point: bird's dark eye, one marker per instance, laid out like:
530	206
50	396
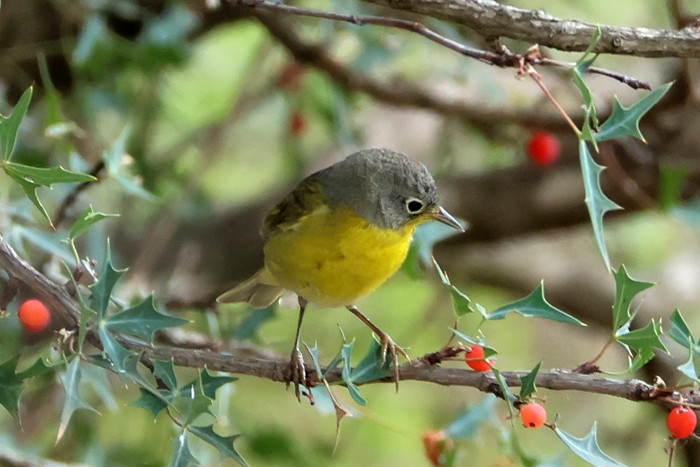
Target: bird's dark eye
414	205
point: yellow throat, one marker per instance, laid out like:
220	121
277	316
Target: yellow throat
331	257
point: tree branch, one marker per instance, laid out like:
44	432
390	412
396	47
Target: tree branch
502	58
60	302
491	20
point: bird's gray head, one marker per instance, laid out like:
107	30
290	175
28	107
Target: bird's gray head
383	186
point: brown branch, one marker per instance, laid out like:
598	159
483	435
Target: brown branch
491	19
503	58
60	302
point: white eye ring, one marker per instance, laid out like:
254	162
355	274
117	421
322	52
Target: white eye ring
414	205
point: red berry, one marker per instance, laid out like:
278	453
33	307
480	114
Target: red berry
435	443
34	315
297	123
681	422
543	148
533	415
290	77
474	355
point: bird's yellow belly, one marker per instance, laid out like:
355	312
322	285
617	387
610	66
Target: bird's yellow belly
331	258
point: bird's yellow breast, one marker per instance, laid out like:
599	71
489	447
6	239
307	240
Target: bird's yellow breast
331	257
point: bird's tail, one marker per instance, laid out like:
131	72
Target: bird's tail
258	291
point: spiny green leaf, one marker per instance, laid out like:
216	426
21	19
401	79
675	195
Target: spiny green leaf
506	391
10	386
584	63
461	303
626	289
155	405
45	176
535	305
643	356
527	382
71	383
86	315
347	379
587	448
142	320
681	333
467	424
39	367
371	368
86	220
119	171
596	201
30	178
102	289
624	121
688	368
9	126
647	337
248	329
165	371
224	444
112	349
182	457
197	402
488	351
421	251
210	383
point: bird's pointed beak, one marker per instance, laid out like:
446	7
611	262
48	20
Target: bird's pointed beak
441	215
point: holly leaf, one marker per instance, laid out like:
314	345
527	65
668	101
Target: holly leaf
112	349
648	337
30	178
9	126
102	289
421	251
461	303
148	401
681	333
10	386
534	305
688	368
527	382
224	444
488	351
466	426
210	383
142	320
581	68
165	371
626	289
642	357
505	390
587	448
596	201
346	374
86	220
371	368
71	383
197	403
39	367
182	457
624	121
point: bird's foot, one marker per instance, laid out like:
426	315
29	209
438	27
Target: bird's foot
297	375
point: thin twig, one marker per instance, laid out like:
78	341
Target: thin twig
505	59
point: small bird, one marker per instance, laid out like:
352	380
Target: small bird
340	234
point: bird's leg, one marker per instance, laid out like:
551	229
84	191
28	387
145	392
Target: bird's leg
386	342
297	372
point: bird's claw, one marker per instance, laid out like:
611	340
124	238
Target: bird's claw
297	372
388	346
